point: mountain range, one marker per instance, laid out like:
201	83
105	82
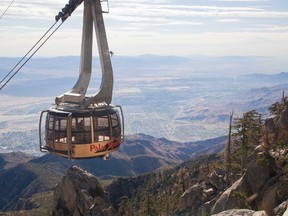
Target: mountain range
139	154
180	98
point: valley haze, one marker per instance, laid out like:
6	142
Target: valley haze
180	98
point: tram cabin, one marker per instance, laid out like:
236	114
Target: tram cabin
83	134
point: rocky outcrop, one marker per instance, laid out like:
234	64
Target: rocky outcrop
273	192
26	204
233	197
241	212
264	185
260	189
277	124
217	179
195	197
246	191
200	198
281	210
282	122
79	194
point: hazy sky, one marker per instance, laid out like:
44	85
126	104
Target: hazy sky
163	27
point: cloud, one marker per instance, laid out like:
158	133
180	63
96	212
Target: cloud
140	10
266	28
241	0
228	20
32	9
157	27
181	11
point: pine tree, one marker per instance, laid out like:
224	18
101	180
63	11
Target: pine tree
228	151
183	178
147	205
125	207
247	133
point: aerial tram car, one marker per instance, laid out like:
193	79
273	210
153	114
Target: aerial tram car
79	126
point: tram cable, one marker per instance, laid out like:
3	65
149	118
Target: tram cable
27	53
5	83
63	15
7	9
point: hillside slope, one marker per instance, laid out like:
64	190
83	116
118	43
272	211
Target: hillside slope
24	180
255	184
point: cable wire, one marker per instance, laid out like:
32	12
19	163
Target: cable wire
28	52
63	15
7	9
30	55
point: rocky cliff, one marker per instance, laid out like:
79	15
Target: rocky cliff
79	194
263	188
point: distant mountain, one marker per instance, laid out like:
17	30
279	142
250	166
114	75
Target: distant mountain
9	160
139	154
261	98
268	77
215	111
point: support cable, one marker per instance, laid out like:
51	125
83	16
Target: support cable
28	53
29	56
7	9
63	15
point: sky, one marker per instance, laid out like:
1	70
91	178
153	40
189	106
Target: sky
160	27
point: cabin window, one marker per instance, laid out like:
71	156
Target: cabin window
116	127
81	130
115	120
56	129
60	131
101	129
49	126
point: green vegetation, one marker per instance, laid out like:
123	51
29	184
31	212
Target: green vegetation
43	200
247	132
158	193
242	198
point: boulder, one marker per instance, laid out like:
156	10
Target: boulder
281	209
234	197
197	200
283	120
241	212
217	179
259	171
26	204
271	196
247	189
272	130
201	197
79	194
192	198
277	124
